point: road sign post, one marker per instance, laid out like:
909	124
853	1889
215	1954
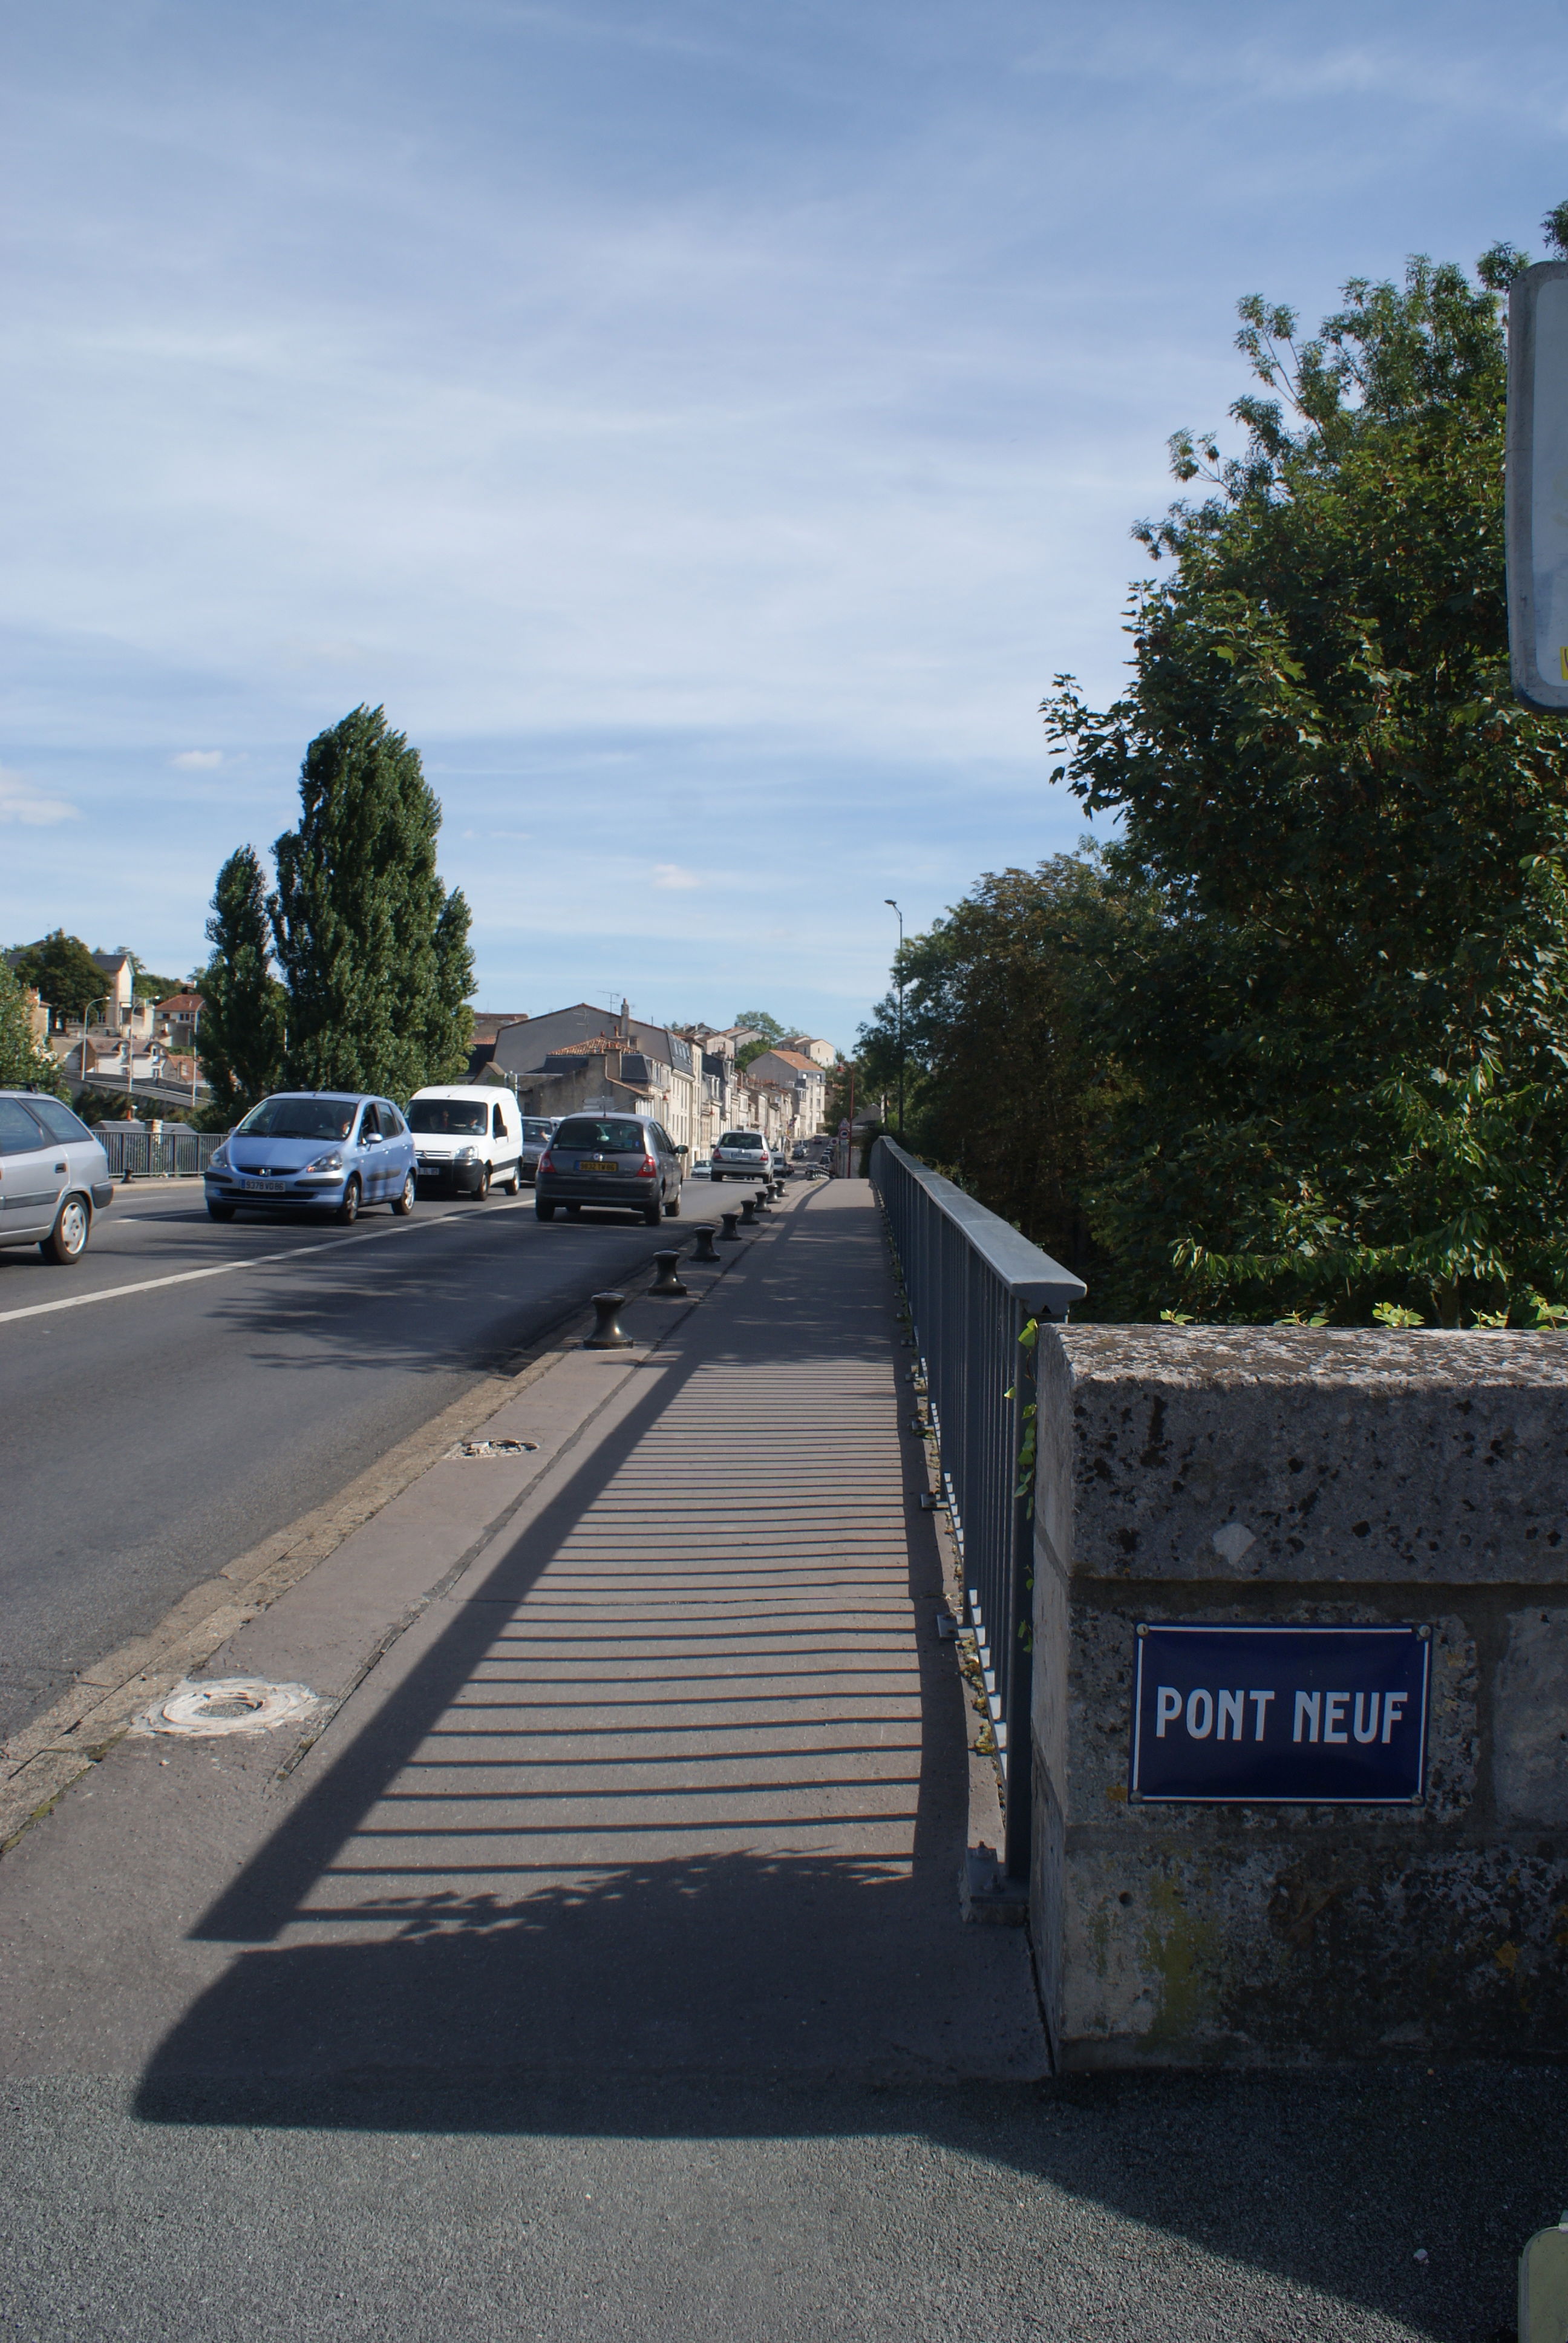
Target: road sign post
1538	485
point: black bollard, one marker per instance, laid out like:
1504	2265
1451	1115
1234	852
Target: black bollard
732	1234
607	1335
748	1213
666	1281
763	1200
704	1251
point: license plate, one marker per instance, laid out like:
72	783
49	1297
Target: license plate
594	1163
267	1187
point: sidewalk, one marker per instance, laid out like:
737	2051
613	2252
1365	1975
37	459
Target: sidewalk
669	1775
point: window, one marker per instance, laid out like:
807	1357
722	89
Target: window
298	1118
391	1120
536	1127
371	1126
58	1119
497	1123
454	1117
610	1134
19	1134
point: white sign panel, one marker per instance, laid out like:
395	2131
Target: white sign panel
1538	485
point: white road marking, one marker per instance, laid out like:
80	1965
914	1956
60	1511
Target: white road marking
252	1260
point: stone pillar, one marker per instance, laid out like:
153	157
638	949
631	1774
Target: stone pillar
1269	1475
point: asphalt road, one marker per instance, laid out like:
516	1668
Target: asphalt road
222	1381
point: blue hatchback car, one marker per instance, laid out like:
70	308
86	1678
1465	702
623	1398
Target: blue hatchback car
336	1150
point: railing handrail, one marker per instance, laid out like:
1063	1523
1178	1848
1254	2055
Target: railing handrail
1045	1289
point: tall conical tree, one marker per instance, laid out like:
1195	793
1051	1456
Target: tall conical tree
239	1041
374	950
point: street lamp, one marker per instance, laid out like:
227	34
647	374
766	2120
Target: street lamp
893	907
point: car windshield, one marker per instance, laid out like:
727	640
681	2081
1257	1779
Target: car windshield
447	1115
611	1136
534	1130
299	1117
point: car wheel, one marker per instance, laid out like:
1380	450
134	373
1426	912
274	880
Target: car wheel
574	1211
483	1190
542	1210
652	1214
219	1211
715	1177
348	1210
672	1207
67	1240
403	1203
513	1181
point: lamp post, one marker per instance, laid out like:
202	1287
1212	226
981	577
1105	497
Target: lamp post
894	909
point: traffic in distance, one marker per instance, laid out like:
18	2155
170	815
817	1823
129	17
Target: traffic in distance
339	1151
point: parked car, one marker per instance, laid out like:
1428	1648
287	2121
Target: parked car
623	1162
53	1176
741	1155
466	1136
539	1129
332	1150
780	1164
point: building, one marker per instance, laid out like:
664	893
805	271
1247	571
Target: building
802	1086
821	1053
549	1060
178	1019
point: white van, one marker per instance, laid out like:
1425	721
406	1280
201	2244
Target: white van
467	1137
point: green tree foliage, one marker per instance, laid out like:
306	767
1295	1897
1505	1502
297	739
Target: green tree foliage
1337	1007
239	1041
1002	1090
63	972
373	949
770	1029
23	1062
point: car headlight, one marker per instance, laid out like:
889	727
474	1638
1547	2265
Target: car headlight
219	1160
467	1155
326	1163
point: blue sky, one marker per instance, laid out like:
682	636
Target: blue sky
706	427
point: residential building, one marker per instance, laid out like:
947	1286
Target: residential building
548	1059
178	1019
801	1083
821	1053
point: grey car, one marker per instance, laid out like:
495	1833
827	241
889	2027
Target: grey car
741	1155
539	1129
53	1176
617	1162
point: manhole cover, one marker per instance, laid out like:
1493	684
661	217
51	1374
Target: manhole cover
497	1447
201	1711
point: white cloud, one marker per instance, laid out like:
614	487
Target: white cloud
671	874
196	760
21	801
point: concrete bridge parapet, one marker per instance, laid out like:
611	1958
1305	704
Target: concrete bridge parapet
1270	1477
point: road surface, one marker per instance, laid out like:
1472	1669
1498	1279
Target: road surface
221	1381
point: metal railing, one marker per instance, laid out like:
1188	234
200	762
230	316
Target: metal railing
146	1158
972	1284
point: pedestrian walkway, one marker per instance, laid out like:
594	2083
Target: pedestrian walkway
675	1779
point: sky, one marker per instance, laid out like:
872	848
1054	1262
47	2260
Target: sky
706	427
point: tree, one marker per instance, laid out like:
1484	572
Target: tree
239	1041
1338	1009
62	971
374	951
1001	1092
769	1028
24	1063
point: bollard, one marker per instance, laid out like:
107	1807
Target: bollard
732	1234
748	1213
666	1281
704	1251
607	1335
763	1200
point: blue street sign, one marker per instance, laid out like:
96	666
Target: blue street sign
1266	1715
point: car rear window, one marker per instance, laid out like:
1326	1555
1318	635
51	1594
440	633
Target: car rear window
58	1119
615	1137
743	1139
452	1115
299	1117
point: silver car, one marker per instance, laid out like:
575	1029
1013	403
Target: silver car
538	1131
53	1176
741	1155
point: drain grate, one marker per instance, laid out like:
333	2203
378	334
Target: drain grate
495	1448
202	1712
